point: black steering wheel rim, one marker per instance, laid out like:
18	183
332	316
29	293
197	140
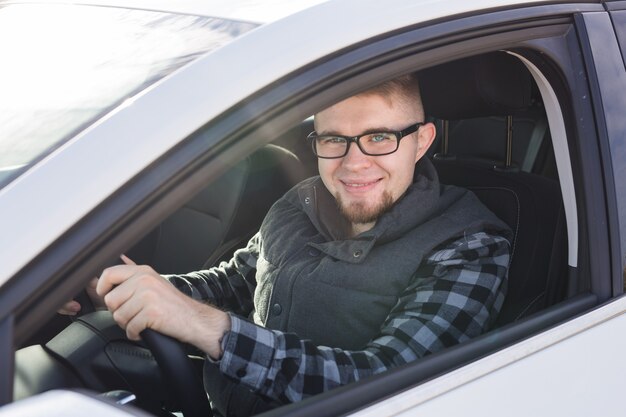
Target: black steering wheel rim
178	369
93	352
179	372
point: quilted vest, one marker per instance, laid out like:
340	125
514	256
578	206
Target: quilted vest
337	291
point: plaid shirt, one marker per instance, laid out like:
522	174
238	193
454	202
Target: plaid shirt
454	296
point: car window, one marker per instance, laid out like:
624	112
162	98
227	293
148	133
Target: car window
48	51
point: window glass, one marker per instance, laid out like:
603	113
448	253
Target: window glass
64	66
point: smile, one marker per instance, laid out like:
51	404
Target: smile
361	186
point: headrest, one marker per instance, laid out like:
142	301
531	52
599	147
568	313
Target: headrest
493	84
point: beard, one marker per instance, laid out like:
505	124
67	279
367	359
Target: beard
363	213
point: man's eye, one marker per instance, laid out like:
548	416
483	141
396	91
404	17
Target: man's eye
331	140
380	137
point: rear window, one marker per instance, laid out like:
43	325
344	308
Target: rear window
65	66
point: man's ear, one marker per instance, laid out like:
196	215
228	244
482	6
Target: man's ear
425	137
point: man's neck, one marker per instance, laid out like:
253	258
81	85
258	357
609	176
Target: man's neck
358	228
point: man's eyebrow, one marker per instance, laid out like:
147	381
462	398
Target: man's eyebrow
371	130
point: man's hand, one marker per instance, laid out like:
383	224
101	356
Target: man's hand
140	298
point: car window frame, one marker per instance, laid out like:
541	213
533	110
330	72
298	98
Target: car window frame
618	149
600	44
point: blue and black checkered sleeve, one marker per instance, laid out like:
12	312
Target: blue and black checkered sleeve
229	286
455	295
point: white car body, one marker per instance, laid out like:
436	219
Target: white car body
550	373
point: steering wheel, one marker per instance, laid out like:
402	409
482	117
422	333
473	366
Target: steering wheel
173	361
93	352
179	371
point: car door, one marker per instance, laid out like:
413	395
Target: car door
560	46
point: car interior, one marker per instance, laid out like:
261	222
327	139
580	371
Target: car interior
493	138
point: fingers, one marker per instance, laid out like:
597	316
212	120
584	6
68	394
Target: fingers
136	326
139	317
137	296
140	298
120	294
124	315
96	300
130	280
71	308
118	274
97	289
134	316
127	260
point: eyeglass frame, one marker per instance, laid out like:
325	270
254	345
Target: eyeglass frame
399	134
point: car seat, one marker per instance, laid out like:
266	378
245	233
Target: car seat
498	85
223	216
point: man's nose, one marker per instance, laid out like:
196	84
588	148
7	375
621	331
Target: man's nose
355	158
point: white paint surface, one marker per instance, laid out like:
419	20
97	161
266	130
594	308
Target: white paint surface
572	370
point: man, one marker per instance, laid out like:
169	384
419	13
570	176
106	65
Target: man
368	266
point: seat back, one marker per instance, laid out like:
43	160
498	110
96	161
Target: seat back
223	216
498	84
531	206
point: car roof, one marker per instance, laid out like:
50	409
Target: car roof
257	11
192	88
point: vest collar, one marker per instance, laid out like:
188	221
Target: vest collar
416	206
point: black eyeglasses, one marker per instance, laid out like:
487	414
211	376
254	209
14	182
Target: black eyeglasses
373	144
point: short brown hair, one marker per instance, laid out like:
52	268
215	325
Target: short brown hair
406	87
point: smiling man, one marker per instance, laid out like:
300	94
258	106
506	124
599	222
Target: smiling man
369	266
366	187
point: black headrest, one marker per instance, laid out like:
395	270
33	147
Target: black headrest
493	84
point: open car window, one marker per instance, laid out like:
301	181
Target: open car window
520	186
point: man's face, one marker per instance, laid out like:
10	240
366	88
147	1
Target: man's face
367	186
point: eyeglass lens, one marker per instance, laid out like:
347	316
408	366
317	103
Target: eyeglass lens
372	144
